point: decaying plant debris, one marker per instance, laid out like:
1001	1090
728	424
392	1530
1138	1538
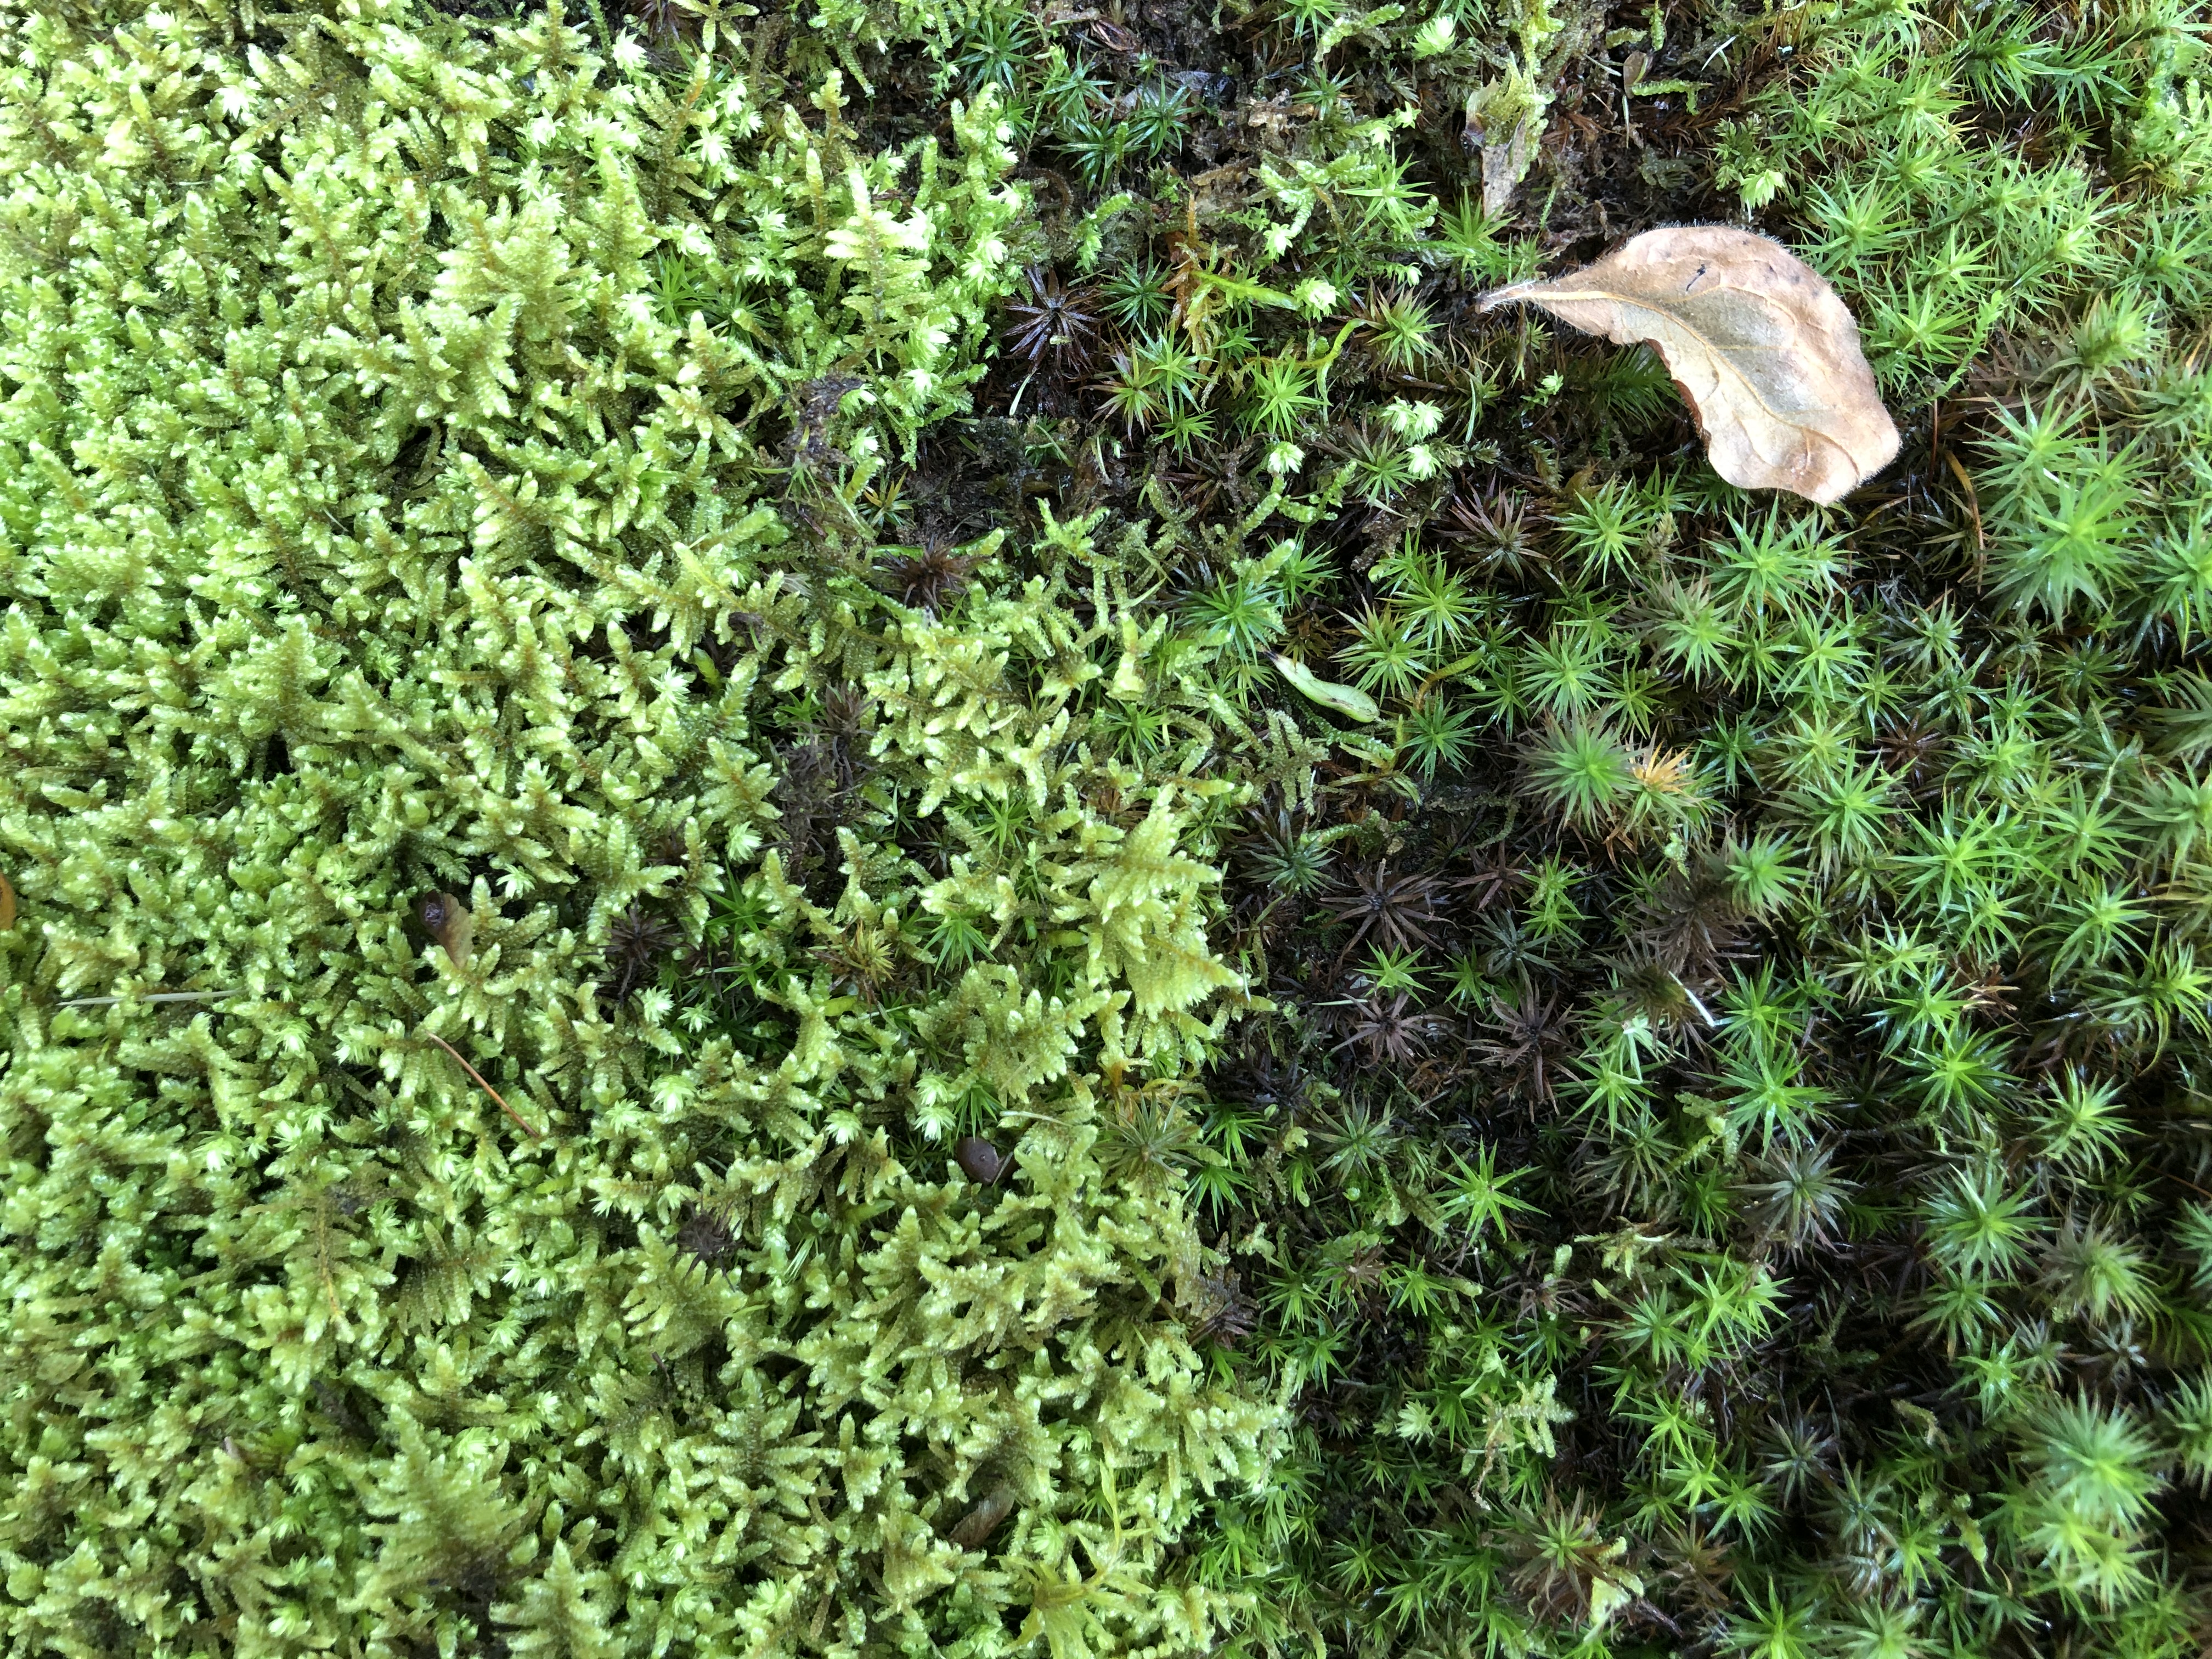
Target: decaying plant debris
1163	934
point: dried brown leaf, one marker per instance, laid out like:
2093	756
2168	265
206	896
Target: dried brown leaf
1767	354
979	1160
449	921
980	1523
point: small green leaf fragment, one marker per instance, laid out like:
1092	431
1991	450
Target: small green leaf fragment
1347	701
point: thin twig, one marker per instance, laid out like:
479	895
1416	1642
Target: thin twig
535	1134
148	996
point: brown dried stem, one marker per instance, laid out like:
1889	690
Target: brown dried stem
535	1134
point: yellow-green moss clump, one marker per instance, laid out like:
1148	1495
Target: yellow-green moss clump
432	460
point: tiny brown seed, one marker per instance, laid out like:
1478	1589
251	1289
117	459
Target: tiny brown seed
979	1160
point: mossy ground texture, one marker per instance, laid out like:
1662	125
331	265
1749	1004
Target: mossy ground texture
842	831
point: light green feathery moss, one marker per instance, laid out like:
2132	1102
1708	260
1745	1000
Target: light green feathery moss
431	460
